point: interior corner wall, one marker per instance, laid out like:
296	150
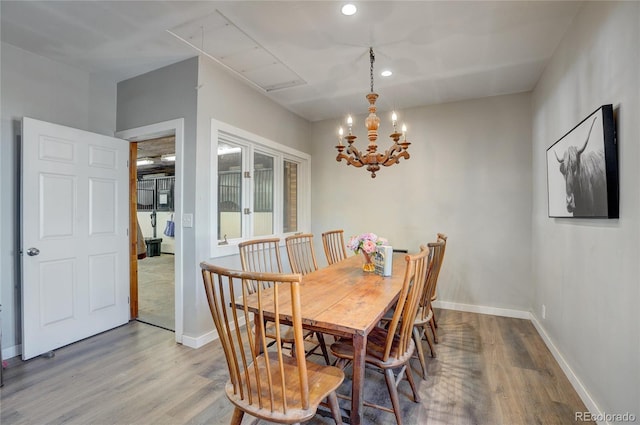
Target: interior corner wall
586	271
37	87
469	176
224	98
161	95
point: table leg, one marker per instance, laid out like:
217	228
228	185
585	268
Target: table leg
257	328
357	390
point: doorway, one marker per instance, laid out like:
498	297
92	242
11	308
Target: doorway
155	214
165	199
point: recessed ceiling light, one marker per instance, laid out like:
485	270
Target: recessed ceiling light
386	73
349	9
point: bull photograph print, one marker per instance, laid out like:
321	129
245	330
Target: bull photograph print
582	169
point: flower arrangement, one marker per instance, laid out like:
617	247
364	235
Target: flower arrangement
366	243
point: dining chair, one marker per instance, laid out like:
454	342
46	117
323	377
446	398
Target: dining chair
391	347
263	255
434	323
424	316
334	247
302	255
266	384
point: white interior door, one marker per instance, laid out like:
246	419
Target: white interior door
75	242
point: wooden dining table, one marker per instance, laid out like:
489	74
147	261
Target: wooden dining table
344	301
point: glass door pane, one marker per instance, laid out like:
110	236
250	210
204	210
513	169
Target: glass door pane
262	194
229	192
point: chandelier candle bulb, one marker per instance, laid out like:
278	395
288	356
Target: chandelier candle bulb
340	133
349	123
394	120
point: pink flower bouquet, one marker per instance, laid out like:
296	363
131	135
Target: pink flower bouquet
365	242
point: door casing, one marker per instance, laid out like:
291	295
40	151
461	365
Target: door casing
152	131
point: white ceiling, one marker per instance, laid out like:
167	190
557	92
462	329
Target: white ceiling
313	60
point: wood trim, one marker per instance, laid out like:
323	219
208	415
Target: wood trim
133	231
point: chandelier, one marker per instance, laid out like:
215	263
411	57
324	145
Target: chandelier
372	158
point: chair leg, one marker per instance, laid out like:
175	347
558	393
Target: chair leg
412	384
323	347
393	393
426	336
335	408
418	341
238	414
433	318
341	363
433	325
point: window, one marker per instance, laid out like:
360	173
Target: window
262	188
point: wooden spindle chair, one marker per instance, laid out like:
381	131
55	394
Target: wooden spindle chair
424	315
334	247
302	259
266	384
263	255
434	323
391	347
301	253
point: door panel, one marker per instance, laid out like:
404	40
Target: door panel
74	200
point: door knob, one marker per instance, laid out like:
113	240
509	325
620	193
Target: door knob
33	252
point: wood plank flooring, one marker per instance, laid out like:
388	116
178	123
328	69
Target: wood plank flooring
488	370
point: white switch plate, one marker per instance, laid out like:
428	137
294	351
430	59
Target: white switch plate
187	220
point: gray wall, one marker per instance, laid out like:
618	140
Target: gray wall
224	98
198	91
165	94
469	176
36	87
586	271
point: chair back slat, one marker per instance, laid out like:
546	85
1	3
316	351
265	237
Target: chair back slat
257	374
401	325
302	256
260	255
334	246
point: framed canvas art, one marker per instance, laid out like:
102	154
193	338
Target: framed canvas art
582	169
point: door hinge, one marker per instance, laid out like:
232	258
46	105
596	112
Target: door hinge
247	174
247	211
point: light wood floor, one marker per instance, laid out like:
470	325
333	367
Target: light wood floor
489	370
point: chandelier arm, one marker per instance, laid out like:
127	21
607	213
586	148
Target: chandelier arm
396	159
352	157
354	153
382	158
350	160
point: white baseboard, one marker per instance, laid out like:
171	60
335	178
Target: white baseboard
199	341
591	405
204	339
495	311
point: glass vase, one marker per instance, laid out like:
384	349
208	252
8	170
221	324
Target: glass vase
368	265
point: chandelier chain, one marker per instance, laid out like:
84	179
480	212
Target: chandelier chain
372	59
